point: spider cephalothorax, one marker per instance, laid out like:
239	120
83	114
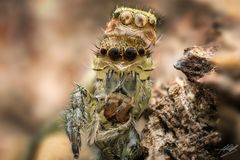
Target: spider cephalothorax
123	64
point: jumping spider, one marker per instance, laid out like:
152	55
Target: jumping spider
122	89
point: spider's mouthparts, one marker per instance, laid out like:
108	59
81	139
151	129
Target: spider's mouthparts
121	90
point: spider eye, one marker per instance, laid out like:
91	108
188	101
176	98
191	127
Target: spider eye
141	51
130	54
103	51
114	54
152	21
116	14
126	17
140	20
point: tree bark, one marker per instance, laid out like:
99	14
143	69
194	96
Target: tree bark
183	121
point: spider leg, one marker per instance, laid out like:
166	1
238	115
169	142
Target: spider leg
134	149
78	116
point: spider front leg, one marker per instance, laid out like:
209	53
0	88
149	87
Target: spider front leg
78	116
134	149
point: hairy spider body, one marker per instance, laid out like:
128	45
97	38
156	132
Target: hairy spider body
122	90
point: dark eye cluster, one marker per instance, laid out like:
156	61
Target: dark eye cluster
128	54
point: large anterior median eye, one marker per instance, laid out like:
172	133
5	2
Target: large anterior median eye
114	54
126	17
140	20
130	54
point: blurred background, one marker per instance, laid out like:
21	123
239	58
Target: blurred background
45	46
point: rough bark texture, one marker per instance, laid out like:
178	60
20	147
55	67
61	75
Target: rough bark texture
183	119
